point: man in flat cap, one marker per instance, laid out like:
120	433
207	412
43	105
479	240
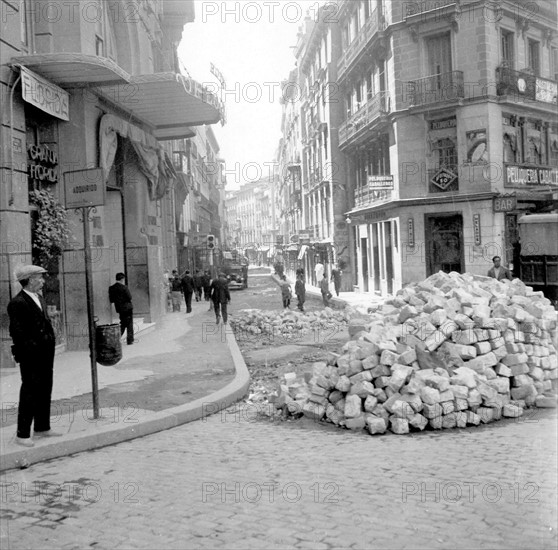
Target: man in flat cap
120	296
33	348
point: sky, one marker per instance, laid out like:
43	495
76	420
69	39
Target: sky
250	42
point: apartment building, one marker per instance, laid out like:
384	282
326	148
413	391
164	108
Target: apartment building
94	88
450	132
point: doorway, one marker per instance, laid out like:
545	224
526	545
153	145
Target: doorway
444	243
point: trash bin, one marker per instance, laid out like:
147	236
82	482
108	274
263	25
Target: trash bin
107	344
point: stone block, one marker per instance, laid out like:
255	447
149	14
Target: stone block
500	352
380	370
379	410
447	407
362	389
514	359
449	421
391	400
314	411
322	400
481	334
463	321
512	411
520	368
344	384
407	312
486	414
461	404
460	392
438	316
472	418
481	362
362	376
522	380
398	425
407	357
343	364
474	399
370	362
545	402
418	421
490	373
429	395
536	373
376	425
461	419
447	395
501	384
380	395
335	396
551	374
437	382
496	343
432	411
317	390
370	402
414	400
388	358
483	347
524	393
434	340
464	376
353	406
402	409
355	366
435	423
465	337
356	423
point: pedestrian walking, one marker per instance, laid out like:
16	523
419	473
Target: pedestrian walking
221	297
336	278
33	348
319	272
498	271
176	290
198	285
206	284
120	296
188	290
300	291
324	289
286	292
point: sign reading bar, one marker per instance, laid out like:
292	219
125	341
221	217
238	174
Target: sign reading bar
380	182
84	188
517	175
44	95
504	204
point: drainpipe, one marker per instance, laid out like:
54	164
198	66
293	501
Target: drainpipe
11	144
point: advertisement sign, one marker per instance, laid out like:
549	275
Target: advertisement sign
380	182
523	175
546	90
44	95
477	228
84	188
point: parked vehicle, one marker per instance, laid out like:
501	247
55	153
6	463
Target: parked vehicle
538	234
235	266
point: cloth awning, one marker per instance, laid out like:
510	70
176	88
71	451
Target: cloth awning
168	102
154	163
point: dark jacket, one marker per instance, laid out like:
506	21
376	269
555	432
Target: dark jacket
300	290
206	280
220	291
505	273
187	284
120	296
197	281
176	284
30	328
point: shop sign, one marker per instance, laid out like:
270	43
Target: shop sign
411	232
45	160
380	182
84	188
504	204
443	124
443	178
546	91
44	95
477	229
521	175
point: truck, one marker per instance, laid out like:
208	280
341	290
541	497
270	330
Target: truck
538	236
235	266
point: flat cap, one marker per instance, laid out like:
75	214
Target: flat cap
25	271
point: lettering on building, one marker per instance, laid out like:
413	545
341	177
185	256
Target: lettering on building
46	161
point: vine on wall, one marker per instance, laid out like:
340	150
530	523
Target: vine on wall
50	231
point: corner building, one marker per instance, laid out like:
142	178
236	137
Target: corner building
450	133
96	87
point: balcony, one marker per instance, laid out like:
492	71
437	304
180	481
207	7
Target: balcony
374	24
378	190
438	88
521	85
361	121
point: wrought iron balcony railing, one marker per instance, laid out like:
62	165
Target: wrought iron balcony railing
436	88
522	84
365	116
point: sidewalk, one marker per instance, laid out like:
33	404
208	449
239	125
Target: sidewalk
184	368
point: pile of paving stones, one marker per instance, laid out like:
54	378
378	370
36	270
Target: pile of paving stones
451	351
288	324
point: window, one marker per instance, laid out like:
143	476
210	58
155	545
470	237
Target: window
105	41
446	153
534	56
26	26
554	63
507	48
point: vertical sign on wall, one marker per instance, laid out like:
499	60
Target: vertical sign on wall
411	232
477	229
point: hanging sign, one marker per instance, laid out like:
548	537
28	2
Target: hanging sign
44	95
411	232
477	229
84	188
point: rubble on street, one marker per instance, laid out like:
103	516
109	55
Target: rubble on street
451	351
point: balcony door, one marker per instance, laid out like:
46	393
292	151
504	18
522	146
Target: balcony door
438	52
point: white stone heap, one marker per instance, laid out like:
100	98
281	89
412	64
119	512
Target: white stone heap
451	351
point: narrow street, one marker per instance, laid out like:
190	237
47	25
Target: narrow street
238	480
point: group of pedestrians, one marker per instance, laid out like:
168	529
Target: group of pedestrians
300	287
202	288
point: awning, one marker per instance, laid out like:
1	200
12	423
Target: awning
74	70
168	102
292	248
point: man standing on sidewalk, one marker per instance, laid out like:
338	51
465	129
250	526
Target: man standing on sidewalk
300	291
221	297
198	285
324	288
336	278
188	289
33	348
176	290
120	296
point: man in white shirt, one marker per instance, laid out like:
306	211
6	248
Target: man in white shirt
319	271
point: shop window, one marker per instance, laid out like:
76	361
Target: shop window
533	55
507	41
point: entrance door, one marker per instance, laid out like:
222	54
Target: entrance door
444	238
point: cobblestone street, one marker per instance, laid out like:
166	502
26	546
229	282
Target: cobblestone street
232	481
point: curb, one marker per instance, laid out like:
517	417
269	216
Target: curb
157	422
